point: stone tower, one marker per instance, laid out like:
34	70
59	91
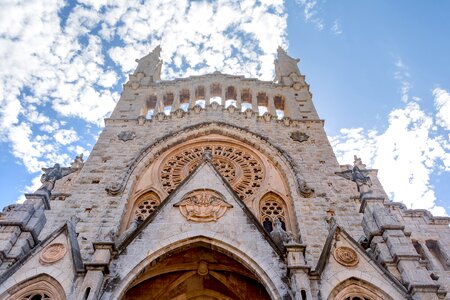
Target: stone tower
218	187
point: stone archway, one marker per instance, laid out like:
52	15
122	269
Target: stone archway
196	271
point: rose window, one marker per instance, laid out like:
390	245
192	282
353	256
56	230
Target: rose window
240	167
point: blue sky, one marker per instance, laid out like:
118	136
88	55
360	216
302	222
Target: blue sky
379	72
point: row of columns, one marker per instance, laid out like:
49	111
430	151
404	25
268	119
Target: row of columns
159	107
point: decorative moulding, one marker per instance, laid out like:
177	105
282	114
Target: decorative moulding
52	253
203	206
346	256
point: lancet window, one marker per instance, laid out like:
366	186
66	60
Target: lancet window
246	97
279	106
263	103
184	99
271	208
145	205
216	93
200	96
230	96
168	101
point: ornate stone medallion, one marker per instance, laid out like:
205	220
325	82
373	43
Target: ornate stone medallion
346	256
240	167
203	206
52	253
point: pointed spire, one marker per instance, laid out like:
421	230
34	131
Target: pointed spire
286	69
150	65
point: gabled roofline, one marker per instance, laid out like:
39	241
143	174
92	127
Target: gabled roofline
121	247
325	255
69	229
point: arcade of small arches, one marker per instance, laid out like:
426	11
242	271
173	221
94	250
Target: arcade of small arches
170	100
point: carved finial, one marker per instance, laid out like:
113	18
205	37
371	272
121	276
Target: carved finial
78	162
286	70
357	162
150	65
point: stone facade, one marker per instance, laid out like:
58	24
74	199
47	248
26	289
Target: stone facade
218	187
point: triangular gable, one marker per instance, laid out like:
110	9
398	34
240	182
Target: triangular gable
55	255
343	258
213	172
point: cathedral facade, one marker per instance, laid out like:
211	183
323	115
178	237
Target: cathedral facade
218	187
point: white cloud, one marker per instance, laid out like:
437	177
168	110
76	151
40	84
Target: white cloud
442	104
406	154
60	67
336	28
66	136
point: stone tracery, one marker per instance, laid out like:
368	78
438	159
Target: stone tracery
241	168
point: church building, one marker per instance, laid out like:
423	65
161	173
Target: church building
218	187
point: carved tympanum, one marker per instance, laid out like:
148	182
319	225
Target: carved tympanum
203	206
346	256
52	253
240	167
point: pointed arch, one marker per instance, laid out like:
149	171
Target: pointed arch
132	278
271	207
288	169
41	285
358	289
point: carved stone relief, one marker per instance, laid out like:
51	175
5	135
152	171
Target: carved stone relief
52	253
126	136
203	206
299	136
346	256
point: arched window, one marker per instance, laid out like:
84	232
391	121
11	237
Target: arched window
184	99
246	99
356	289
263	103
151	106
279	104
41	287
272	207
200	96
168	102
145	205
216	93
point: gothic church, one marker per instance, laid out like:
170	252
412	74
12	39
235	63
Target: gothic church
218	187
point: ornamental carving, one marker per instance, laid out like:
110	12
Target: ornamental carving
240	167
126	136
299	136
346	256
52	253
203	206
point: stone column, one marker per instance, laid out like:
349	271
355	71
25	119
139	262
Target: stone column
255	101
191	97
207	94
298	271
176	100
93	280
238	98
271	105
159	102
